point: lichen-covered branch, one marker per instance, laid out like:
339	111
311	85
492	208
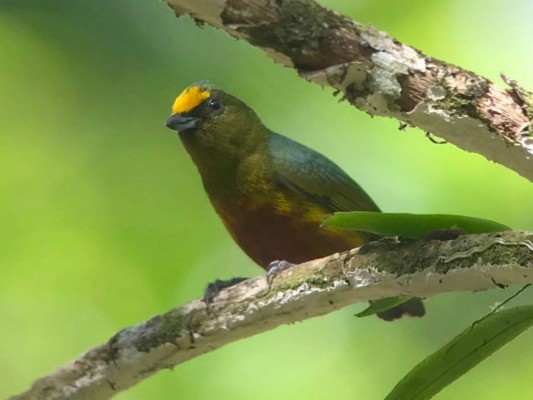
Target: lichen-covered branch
382	76
381	269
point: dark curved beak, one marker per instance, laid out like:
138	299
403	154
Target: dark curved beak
179	123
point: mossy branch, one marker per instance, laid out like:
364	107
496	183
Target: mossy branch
381	269
382	76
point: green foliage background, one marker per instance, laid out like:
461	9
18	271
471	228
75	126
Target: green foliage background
104	222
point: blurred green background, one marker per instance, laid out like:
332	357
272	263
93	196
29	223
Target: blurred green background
104	222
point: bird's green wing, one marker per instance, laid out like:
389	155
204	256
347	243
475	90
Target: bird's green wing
313	176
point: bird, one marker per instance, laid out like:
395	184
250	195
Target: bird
271	193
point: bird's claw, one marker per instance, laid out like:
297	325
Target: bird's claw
275	267
213	288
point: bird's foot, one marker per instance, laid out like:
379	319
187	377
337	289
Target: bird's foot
275	267
213	288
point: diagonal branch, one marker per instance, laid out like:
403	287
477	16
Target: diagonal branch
381	269
382	76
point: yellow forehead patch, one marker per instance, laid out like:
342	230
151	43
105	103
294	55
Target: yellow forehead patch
190	98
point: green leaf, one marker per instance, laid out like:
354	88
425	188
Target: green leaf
380	305
410	225
464	352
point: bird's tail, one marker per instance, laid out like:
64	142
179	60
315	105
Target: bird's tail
413	307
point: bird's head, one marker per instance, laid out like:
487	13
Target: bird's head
217	129
212	117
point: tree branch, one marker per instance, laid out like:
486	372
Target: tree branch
381	269
382	76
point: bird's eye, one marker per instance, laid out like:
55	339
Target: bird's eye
214	104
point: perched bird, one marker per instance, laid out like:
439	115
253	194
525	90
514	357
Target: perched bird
271	192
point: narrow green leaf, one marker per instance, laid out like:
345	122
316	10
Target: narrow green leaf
464	352
385	304
410	225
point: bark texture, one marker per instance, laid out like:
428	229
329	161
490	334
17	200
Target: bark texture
382	269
